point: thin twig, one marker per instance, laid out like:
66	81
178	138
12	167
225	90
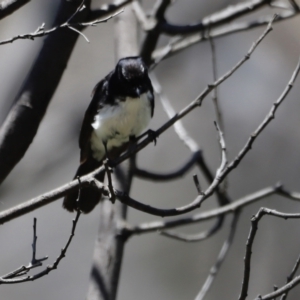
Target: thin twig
14	277
247	260
23	270
281	290
35	260
215	76
220	259
197	184
40	31
291	276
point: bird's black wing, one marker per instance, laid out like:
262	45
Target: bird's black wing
151	98
99	95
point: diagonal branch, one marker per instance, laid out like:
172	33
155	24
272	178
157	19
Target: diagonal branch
220	259
266	121
291	276
281	290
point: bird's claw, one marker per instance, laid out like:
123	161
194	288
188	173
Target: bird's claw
152	135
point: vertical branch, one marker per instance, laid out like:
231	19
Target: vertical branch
109	245
153	35
220	259
215	77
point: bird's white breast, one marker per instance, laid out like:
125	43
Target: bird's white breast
115	124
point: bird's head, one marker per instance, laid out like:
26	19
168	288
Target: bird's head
132	74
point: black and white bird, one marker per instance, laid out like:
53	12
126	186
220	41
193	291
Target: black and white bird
121	108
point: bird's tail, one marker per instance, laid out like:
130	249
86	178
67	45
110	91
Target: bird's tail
89	197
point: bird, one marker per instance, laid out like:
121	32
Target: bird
121	108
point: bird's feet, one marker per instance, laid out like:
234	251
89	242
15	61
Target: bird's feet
152	135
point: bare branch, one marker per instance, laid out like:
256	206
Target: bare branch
152	36
220	259
291	276
224	161
7	7
281	290
247	260
35	260
222	17
215	76
197	184
14	277
179	43
23	270
30	205
40	31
